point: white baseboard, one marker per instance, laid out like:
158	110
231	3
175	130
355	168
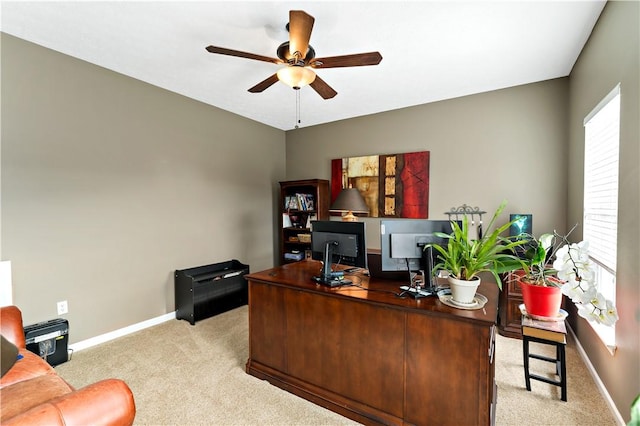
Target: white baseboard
603	390
121	332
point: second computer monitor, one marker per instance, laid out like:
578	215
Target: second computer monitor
402	243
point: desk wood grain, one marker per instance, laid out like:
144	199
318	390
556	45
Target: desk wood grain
369	355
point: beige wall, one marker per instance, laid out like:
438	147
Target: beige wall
483	150
611	56
109	184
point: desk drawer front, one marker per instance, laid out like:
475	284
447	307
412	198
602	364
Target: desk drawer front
332	336
452	357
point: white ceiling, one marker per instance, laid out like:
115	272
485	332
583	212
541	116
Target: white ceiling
432	50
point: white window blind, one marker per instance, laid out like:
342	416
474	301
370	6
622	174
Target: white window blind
600	222
602	140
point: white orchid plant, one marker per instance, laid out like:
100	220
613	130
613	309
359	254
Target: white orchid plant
572	271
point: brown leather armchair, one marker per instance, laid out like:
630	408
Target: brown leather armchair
32	393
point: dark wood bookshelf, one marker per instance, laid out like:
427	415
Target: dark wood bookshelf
311	202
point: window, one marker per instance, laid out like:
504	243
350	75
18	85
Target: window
600	221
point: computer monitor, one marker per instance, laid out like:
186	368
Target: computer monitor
337	242
522	229
402	243
523	224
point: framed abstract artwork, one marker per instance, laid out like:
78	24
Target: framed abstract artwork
393	185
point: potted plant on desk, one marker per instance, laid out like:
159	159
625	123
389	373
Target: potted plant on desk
539	285
465	258
570	274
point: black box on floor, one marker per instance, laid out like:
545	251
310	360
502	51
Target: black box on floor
204	291
49	340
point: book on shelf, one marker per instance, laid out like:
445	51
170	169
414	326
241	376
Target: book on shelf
294	256
310	218
286	221
308	201
556	331
291	203
299	202
305	201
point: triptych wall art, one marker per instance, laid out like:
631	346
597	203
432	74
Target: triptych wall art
393	185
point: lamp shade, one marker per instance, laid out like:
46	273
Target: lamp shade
296	76
349	200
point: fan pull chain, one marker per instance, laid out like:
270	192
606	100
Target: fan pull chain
297	108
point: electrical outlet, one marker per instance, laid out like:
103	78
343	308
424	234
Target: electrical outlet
63	308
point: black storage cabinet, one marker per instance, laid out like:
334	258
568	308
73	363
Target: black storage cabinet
204	291
49	340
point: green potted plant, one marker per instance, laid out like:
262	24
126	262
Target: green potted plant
540	287
465	258
571	274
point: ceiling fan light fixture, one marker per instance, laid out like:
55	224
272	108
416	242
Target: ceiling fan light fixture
296	76
300	59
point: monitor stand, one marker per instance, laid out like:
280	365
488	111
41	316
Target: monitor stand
327	276
331	282
414	292
416	289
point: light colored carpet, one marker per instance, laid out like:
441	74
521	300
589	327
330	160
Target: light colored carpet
188	375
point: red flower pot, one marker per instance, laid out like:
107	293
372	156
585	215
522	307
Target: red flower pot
541	301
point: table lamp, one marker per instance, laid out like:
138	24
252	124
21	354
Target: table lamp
350	201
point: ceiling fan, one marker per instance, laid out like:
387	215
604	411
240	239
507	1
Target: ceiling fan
300	59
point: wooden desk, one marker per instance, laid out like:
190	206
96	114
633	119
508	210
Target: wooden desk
369	355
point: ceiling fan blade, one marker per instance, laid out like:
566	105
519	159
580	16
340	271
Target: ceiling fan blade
239	54
323	88
264	84
355	60
300	26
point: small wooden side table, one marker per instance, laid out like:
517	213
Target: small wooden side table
552	333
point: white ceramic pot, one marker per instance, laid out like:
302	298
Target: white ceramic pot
463	291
